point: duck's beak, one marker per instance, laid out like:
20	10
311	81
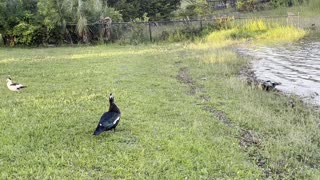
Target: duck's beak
98	130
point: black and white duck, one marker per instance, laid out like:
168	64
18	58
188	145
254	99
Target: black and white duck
269	85
14	86
109	120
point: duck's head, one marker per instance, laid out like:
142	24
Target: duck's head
111	99
9	80
99	129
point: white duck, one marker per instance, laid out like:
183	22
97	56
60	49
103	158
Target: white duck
14	86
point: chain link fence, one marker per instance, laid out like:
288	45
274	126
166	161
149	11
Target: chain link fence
155	31
137	32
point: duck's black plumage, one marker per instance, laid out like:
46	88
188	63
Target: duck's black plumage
269	85
109	120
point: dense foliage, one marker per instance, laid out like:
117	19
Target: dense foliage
34	22
156	9
251	5
38	22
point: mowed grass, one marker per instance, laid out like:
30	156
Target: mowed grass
46	130
164	132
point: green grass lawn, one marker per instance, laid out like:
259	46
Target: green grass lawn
172	98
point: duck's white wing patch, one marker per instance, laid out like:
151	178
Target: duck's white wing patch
115	121
12	87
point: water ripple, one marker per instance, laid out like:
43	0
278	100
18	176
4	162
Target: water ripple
296	66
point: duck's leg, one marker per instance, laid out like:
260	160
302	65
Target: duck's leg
114	130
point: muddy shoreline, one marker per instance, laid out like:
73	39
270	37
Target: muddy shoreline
247	74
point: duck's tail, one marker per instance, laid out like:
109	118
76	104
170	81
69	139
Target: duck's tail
21	87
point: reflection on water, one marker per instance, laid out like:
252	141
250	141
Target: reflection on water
296	66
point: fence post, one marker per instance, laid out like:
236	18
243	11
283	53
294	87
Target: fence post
150	32
201	24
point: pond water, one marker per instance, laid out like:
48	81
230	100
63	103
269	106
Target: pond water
295	66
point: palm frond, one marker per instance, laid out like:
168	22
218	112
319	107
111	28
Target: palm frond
68	5
79	8
82	26
97	5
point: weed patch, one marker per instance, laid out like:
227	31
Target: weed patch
259	32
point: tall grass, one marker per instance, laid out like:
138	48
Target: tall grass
282	34
314	5
258	31
255	26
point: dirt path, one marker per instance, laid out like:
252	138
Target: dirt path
249	140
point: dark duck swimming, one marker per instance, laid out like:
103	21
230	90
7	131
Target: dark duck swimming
109	120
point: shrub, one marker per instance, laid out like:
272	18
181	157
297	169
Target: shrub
188	33
223	23
26	34
246	5
55	36
164	35
177	36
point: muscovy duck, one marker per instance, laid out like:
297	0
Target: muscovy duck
109	120
269	85
14	86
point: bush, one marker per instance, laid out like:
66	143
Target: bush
246	5
176	36
164	35
55	36
189	33
131	34
223	23
26	34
